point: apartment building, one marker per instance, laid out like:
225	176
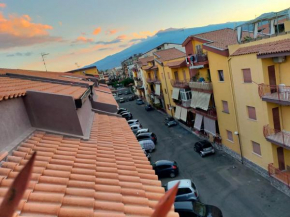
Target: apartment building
88	71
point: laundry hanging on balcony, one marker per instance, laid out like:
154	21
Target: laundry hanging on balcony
198	122
209	126
175	93
177	112
157	89
183	114
156	100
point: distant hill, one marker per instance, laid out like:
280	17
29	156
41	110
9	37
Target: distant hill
170	35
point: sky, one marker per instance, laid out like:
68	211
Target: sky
76	33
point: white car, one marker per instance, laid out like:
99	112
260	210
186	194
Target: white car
186	190
144	130
133	121
135	128
147	145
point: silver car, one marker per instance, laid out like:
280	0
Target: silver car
144	130
133	121
186	190
147	145
135	128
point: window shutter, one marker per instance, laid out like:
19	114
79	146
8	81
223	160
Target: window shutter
230	135
247	75
252	112
225	106
256	148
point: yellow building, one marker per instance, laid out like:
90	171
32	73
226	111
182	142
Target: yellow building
88	71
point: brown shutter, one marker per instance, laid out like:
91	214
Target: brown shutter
225	106
256	148
247	75
252	112
276	119
230	135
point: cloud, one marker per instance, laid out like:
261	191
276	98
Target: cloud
83	40
60	23
118	39
19	54
97	31
143	35
111	31
137	39
20	31
2	5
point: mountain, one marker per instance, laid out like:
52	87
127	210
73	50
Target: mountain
171	35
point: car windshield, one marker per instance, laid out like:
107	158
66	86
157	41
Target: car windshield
199	208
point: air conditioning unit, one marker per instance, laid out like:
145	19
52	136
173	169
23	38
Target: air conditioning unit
279	59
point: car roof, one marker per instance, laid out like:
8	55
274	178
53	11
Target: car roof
145	134
183	205
164	162
133	120
135	125
183	183
146	141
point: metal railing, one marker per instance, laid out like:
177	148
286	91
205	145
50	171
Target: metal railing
199	57
180	83
201	86
274	92
281	137
153	80
278	174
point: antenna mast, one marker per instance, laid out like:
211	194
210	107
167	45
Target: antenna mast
42	55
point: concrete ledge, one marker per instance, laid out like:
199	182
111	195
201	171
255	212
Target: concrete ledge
106	113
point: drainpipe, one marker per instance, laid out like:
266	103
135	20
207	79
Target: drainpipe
167	90
235	109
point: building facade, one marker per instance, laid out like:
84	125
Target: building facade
88	71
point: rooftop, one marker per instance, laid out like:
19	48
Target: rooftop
176	64
145	60
168	54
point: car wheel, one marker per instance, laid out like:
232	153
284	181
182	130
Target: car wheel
172	175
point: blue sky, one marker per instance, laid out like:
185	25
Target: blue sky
65	29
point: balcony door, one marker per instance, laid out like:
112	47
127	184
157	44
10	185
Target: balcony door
276	119
272	78
281	161
176	76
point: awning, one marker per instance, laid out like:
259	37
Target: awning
183	114
203	100
177	112
209	126
175	93
157	89
156	100
198	122
194	98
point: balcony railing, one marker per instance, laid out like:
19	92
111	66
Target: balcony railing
180	83
201	86
210	113
279	94
199	59
281	138
186	103
137	79
153	80
283	176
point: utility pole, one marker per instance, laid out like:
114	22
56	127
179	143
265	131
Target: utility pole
42	55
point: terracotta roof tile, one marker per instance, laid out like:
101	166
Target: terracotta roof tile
175	64
147	67
105	98
266	48
49	75
145	60
104	88
13	87
169	54
109	175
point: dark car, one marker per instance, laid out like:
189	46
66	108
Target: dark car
121	100
203	148
148	107
196	209
168	119
128	116
127	92
120	110
171	123
139	102
131	98
146	136
166	168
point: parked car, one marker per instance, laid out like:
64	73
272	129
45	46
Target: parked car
120	93
186	190
123	112
144	130
139	102
135	127
196	209
127	92
148	155
166	168
148	107
203	148
121	100
171	123
149	135
168	119
127	115
147	145
120	110
131	98
133	121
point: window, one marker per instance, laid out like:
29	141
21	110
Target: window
230	135
176	76
252	112
221	75
183	191
256	148
198	49
247	75
185	95
225	107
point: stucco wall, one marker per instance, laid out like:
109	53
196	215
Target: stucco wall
14	121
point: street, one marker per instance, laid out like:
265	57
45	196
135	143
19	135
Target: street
220	180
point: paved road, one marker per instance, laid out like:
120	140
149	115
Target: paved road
221	180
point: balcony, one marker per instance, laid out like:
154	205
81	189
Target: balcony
150	80
279	94
282	176
153	80
137	79
180	83
201	86
210	113
278	137
200	59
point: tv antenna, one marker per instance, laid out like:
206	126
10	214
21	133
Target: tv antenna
43	55
77	65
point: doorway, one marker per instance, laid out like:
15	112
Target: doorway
281	161
272	78
276	119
